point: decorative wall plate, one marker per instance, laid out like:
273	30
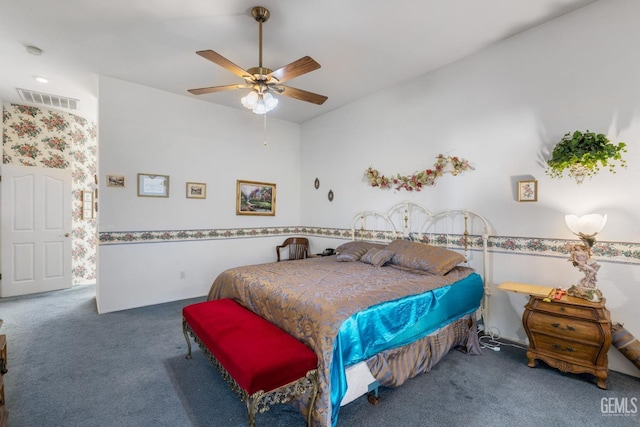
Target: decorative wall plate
330	195
316	183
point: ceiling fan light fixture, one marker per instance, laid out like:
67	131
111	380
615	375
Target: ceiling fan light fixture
259	103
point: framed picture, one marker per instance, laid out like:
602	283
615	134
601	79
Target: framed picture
153	185
255	198
528	191
115	181
196	190
87	204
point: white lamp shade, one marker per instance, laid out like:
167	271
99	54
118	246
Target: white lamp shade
587	225
259	104
250	100
270	101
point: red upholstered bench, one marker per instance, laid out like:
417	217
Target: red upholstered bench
263	364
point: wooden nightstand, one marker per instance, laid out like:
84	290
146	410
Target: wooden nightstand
570	334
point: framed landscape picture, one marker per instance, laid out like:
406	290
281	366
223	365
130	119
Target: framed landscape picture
255	198
115	181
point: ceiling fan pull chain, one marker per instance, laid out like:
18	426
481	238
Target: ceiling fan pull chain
265	130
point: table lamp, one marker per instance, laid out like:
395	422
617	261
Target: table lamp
586	228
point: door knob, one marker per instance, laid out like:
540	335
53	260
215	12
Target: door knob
66	234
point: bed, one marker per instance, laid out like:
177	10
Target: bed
387	307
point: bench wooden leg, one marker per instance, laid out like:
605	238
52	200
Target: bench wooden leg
186	337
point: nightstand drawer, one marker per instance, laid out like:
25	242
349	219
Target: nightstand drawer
566	327
567	310
563	348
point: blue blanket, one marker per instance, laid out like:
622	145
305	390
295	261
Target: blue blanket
396	323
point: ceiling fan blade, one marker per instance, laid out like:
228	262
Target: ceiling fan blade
300	94
213	89
216	58
296	68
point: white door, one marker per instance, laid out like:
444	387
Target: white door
36	230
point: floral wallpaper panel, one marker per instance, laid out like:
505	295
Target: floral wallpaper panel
46	138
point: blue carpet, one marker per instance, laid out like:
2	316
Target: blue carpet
69	366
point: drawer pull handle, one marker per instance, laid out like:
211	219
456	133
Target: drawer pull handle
559	347
568	328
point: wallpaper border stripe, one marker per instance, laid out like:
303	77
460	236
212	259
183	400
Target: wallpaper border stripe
617	252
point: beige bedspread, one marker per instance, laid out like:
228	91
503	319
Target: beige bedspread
311	298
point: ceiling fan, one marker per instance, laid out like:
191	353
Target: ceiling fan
262	81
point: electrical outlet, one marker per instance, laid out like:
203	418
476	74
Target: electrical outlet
183	275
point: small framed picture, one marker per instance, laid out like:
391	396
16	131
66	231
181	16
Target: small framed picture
196	190
255	198
115	181
528	191
87	204
153	185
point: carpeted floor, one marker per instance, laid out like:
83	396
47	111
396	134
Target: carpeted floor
69	366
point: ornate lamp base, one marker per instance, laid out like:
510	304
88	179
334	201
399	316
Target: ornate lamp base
590	294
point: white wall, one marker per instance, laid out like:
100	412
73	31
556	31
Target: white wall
143	130
503	109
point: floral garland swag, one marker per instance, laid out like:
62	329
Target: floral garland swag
426	178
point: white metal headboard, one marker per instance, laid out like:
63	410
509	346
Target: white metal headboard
370	225
409	218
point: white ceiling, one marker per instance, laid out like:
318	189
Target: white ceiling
363	45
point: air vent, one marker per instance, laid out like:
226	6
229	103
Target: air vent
48	99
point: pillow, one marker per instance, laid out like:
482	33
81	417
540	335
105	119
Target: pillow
351	254
353	251
420	256
377	257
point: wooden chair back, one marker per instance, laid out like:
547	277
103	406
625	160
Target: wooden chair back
298	248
